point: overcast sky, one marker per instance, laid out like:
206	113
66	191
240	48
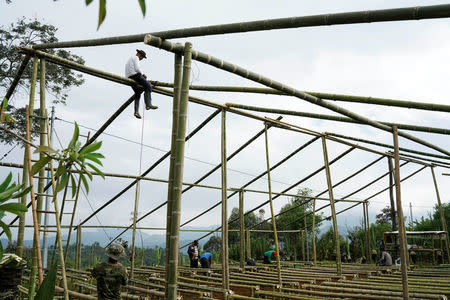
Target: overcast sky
398	60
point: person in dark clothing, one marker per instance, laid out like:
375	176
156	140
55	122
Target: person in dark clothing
269	255
386	259
110	275
193	254
206	260
251	262
133	71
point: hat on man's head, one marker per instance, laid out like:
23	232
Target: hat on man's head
142	52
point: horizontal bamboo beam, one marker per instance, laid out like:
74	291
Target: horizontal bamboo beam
327	96
338	118
367	16
223	65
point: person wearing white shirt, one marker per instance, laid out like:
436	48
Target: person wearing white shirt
133	71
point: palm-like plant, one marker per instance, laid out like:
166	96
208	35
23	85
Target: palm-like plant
10	191
73	158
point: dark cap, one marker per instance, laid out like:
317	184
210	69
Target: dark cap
142	52
195	242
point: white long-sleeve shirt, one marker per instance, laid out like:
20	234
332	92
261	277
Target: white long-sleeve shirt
132	66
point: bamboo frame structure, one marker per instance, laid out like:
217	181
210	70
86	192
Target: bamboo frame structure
175	181
401	222
338	119
327	96
220	64
241	230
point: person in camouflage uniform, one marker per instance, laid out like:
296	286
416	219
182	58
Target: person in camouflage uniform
110	275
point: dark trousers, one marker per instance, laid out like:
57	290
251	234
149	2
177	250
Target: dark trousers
137	91
194	263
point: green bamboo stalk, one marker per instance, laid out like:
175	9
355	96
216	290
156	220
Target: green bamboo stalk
223	147
335	97
248	247
401	222
42	137
36	260
178	177
367	16
369	246
23	199
339	119
333	210
175	114
241	230
269	183
441	212
218	63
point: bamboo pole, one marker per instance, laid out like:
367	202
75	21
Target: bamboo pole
303	245
220	64
366	235
78	249
37	260
58	222
333	210
306	237
42	138
401	223
223	147
16	80
369	246
313	232
391	194
178	68
441	212
339	119
368	16
241	231
269	183
248	248
178	176
133	235
334	97
23	200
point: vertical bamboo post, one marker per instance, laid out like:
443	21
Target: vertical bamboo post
248	248
365	250
303	245
42	138
306	237
333	210
441	212
178	177
77	248
401	222
225	267
391	194
37	261
313	231
277	248
241	230
133	235
178	73
23	200
369	246
80	246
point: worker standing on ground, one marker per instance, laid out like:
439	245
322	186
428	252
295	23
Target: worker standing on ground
386	259
269	255
133	71
110	275
193	254
206	260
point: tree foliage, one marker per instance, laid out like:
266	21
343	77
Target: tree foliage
26	32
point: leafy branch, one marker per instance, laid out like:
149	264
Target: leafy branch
102	10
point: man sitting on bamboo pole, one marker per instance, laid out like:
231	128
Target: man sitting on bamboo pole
133	71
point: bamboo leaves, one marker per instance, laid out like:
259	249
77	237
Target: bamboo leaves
102	10
9	191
